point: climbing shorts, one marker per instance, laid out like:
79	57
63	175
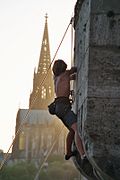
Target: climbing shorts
63	111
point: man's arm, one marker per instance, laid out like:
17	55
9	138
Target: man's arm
73	70
73	77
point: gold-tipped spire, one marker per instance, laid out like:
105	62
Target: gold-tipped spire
46	16
45	91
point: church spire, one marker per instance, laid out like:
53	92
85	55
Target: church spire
44	60
45	91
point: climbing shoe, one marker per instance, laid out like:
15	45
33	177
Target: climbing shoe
67	157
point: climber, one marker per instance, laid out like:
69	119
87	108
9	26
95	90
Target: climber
62	106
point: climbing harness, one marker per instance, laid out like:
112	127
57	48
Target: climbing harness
34	99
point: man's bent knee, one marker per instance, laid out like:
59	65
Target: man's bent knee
74	127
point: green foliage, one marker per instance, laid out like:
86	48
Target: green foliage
56	158
58	169
19	171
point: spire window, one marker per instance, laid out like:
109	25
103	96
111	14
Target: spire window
43	93
50	91
44	68
45	41
45	49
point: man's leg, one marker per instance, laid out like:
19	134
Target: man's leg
69	140
78	141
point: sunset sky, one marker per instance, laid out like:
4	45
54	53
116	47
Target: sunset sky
21	31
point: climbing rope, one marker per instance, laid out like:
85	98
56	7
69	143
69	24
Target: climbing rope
26	115
72	19
49	152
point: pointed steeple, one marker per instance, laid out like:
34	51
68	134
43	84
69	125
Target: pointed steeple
44	60
44	92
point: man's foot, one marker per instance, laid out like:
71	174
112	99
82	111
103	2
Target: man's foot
68	156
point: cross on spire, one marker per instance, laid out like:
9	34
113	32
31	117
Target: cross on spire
46	16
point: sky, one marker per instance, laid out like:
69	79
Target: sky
21	31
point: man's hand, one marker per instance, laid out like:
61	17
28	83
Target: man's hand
73	70
73	77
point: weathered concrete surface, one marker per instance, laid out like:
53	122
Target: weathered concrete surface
86	170
97	56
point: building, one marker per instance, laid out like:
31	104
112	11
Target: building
38	129
97	56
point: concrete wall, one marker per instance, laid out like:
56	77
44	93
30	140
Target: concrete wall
97	56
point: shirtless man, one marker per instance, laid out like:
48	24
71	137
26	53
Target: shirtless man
63	110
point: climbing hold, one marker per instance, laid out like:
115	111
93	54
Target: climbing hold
110	14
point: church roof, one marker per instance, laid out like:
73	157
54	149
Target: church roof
35	116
